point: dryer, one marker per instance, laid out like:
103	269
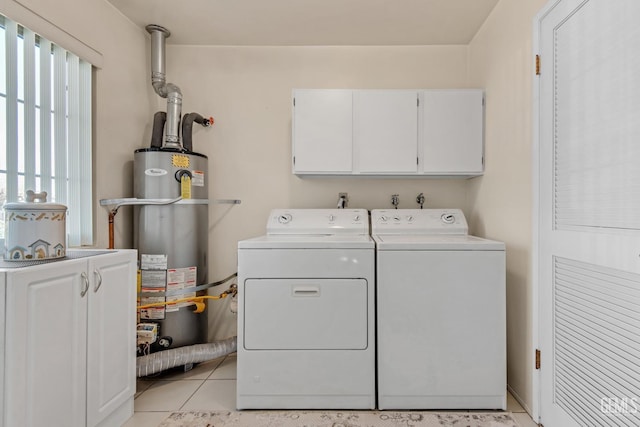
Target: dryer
306	320
441	328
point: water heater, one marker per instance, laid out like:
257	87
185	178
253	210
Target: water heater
172	240
171	221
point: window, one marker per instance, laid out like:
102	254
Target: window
45	126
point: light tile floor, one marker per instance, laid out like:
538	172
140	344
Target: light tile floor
212	386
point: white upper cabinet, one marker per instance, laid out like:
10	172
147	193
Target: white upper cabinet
452	132
322	131
385	133
388	132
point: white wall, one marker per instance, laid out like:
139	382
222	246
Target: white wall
248	92
500	60
122	103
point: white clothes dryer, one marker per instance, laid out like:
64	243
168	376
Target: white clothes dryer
441	328
306	319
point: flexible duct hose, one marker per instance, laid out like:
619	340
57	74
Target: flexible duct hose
167	359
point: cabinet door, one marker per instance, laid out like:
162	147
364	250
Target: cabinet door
385	131
45	351
453	129
322	131
111	352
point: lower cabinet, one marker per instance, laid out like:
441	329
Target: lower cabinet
69	331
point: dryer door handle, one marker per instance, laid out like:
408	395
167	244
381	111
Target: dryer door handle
306	291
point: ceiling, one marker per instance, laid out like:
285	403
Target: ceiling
311	22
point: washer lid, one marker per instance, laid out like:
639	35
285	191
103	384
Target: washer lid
436	242
315	241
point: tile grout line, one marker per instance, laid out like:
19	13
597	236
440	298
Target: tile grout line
202	383
192	394
216	368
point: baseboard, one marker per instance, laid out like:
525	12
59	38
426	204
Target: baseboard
520	400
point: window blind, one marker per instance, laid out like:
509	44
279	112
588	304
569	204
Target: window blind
45	110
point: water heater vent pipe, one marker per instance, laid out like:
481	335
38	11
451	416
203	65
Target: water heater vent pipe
166	90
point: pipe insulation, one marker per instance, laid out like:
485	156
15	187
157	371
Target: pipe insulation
166	90
167	359
187	128
159	120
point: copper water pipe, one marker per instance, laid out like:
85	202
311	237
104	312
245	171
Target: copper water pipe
112	215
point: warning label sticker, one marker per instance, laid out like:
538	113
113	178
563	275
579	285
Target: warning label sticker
156	313
197	178
177	279
153	262
153	279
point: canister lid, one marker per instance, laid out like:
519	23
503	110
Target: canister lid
35	202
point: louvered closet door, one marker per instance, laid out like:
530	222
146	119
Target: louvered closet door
589	218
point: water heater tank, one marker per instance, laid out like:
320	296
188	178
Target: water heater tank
172	239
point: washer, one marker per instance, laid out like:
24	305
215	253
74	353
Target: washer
440	312
306	313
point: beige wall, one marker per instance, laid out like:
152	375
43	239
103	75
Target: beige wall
500	60
122	99
248	91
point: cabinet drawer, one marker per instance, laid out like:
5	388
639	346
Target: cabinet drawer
305	314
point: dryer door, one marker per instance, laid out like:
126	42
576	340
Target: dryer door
305	314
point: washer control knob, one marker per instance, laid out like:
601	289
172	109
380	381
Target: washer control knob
331	218
396	217
356	218
284	219
383	218
409	218
448	218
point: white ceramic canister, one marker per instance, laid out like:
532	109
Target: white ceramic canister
35	229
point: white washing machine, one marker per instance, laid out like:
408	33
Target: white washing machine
306	313
440	312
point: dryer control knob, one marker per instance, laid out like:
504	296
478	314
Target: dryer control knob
284	219
383	218
409	218
331	218
448	218
356	218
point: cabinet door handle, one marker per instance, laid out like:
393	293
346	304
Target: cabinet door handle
85	288
96	272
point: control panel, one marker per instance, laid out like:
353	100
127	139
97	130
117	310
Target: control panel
418	221
318	221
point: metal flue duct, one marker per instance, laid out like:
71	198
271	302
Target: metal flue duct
166	90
